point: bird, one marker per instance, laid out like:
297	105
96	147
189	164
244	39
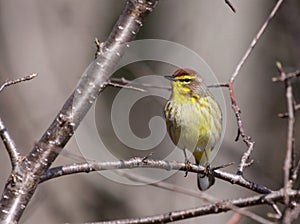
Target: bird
194	120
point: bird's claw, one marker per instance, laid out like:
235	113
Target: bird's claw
187	167
208	170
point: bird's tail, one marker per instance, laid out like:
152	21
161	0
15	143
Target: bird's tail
205	181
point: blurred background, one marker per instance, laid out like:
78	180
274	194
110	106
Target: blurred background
55	39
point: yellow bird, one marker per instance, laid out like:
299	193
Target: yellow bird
194	119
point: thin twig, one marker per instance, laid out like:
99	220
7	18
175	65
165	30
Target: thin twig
206	209
222	166
99	46
125	81
237	113
113	84
12	82
289	164
286	115
255	40
277	214
230	5
250	144
218	85
138	162
296	171
291	75
291	169
244	160
9	143
241	132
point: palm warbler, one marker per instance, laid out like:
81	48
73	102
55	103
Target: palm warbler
194	120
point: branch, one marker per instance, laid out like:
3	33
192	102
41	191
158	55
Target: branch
118	85
250	144
17	194
230	5
291	215
123	81
16	81
241	132
289	162
196	194
281	78
138	162
255	40
285	115
218	85
216	208
9	143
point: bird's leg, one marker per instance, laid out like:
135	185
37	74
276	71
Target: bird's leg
187	162
206	164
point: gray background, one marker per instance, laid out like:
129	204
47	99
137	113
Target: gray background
55	39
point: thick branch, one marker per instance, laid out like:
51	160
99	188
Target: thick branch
149	163
18	191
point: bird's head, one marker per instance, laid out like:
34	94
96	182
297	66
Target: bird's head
185	81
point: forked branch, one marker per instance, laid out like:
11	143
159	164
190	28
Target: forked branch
8	141
290	165
237	112
18	191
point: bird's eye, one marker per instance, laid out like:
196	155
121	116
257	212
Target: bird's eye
185	80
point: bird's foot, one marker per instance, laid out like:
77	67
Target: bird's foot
187	167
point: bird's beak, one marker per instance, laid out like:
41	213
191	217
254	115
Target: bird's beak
170	77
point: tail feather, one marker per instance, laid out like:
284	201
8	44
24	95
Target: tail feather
205	181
